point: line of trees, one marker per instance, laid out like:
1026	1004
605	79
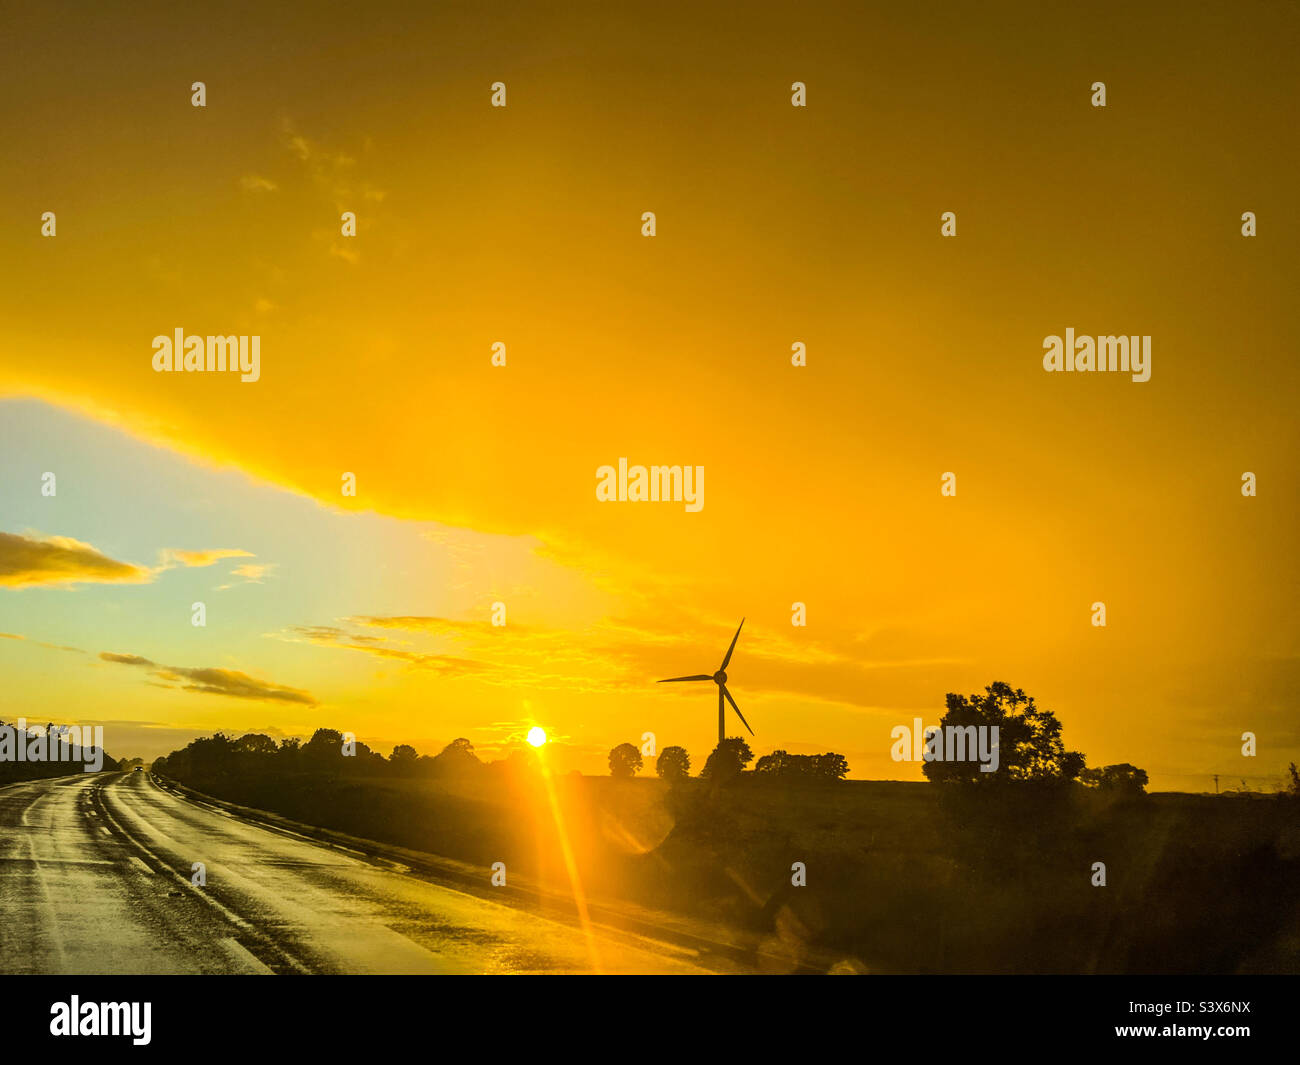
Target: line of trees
828	766
35	747
1030	746
728	760
327	753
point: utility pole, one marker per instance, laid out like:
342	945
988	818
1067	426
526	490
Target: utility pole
1216	783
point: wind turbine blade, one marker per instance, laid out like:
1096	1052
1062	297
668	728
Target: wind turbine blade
723	688
733	644
698	676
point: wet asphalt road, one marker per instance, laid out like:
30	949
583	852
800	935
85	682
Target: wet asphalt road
95	878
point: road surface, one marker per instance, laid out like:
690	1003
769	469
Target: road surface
95	878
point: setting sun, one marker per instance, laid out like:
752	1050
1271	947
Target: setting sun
537	735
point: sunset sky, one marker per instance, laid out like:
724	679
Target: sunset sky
775	224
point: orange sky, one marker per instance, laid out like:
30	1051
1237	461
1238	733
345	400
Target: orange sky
775	224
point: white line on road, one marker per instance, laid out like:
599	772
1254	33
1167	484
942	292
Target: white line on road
204	896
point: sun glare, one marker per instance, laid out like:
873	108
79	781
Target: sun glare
536	735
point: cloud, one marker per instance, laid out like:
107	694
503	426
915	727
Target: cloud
334	176
34	560
251	572
236	684
511	656
330	636
126	660
417	623
176	556
257	183
300	147
29	560
41	643
214	681
620	656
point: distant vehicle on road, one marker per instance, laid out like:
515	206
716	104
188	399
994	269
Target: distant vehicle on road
139	769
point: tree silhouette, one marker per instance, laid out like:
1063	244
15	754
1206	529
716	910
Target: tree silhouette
1029	739
404	760
624	760
456	759
12	770
673	763
1124	778
255	743
831	766
324	749
773	765
727	760
785	766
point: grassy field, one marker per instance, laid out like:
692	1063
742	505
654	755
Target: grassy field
900	877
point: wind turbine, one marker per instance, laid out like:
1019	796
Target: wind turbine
720	679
